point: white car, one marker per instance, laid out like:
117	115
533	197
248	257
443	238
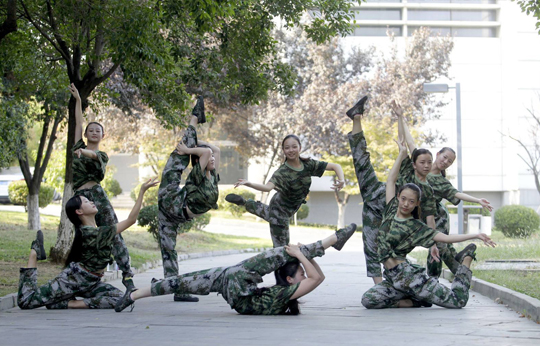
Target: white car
4	182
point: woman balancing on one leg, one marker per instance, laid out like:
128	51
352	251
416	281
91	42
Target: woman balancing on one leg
443	189
199	194
408	285
238	284
89	166
86	262
291	182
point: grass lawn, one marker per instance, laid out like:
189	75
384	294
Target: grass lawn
15	242
507	248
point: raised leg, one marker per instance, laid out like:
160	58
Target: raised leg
278	220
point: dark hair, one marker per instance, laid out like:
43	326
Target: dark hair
194	158
94	122
72	205
443	172
295	137
419	152
417	212
289	269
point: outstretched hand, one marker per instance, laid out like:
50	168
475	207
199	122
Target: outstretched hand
487	240
148	184
435	255
73	90
338	185
485	204
241	182
396	109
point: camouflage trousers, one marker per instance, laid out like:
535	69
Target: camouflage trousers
406	281
277	216
72	282
447	252
171	202
374	196
106	217
233	282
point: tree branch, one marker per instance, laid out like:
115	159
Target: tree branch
49	151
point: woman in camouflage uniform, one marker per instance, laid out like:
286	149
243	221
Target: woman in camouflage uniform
442	189
86	262
199	194
405	284
89	167
291	181
238	284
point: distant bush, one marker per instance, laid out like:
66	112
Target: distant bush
18	193
148	217
516	221
150	196
236	210
111	185
303	212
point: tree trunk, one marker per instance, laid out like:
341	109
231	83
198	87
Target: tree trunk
32	207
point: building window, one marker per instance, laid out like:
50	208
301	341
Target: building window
452	15
376	30
458	32
379	14
383	1
452	1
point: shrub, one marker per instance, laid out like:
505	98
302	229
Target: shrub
150	196
18	192
148	217
111	185
516	221
236	210
303	212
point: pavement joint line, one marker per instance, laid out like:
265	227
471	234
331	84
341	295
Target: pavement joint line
10	301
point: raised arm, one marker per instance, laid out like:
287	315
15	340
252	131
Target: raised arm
458	238
340	181
78	112
132	218
482	201
216	151
394	172
204	154
313	279
259	187
403	129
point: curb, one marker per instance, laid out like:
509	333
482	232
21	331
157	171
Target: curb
519	302
10	301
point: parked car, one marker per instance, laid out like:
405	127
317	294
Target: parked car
4	183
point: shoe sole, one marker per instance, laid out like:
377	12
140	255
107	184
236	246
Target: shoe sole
360	104
349	235
39	238
189	300
235	199
466	252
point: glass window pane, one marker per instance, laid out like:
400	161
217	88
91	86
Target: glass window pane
453	1
428	15
376	30
479	16
458	32
454	15
382	14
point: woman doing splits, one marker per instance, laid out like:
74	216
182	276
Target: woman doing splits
405	284
238	284
86	262
291	181
199	194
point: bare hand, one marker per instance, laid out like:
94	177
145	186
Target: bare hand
338	185
293	250
241	182
148	184
78	152
396	109
435	255
182	149
487	240
401	145
73	90
485	204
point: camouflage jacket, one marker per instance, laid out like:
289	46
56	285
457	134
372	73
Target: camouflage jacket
272	301
201	193
86	169
397	237
97	243
443	189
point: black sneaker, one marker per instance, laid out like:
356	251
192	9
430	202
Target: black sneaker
420	303
343	235
236	199
185	298
358	108
128	282
198	110
470	250
38	246
125	302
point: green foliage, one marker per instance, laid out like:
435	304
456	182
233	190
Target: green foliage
517	221
111	185
56	169
18	193
303	212
532	8
236	210
150	196
471	211
148	217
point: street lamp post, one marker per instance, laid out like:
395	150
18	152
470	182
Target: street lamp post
443	88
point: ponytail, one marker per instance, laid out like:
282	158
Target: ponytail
289	269
75	252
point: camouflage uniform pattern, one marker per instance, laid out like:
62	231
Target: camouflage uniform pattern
292	186
106	217
406	281
201	193
374	196
238	283
72	282
406	175
443	189
97	244
171	202
86	169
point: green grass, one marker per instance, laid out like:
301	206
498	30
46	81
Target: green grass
15	242
507	248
